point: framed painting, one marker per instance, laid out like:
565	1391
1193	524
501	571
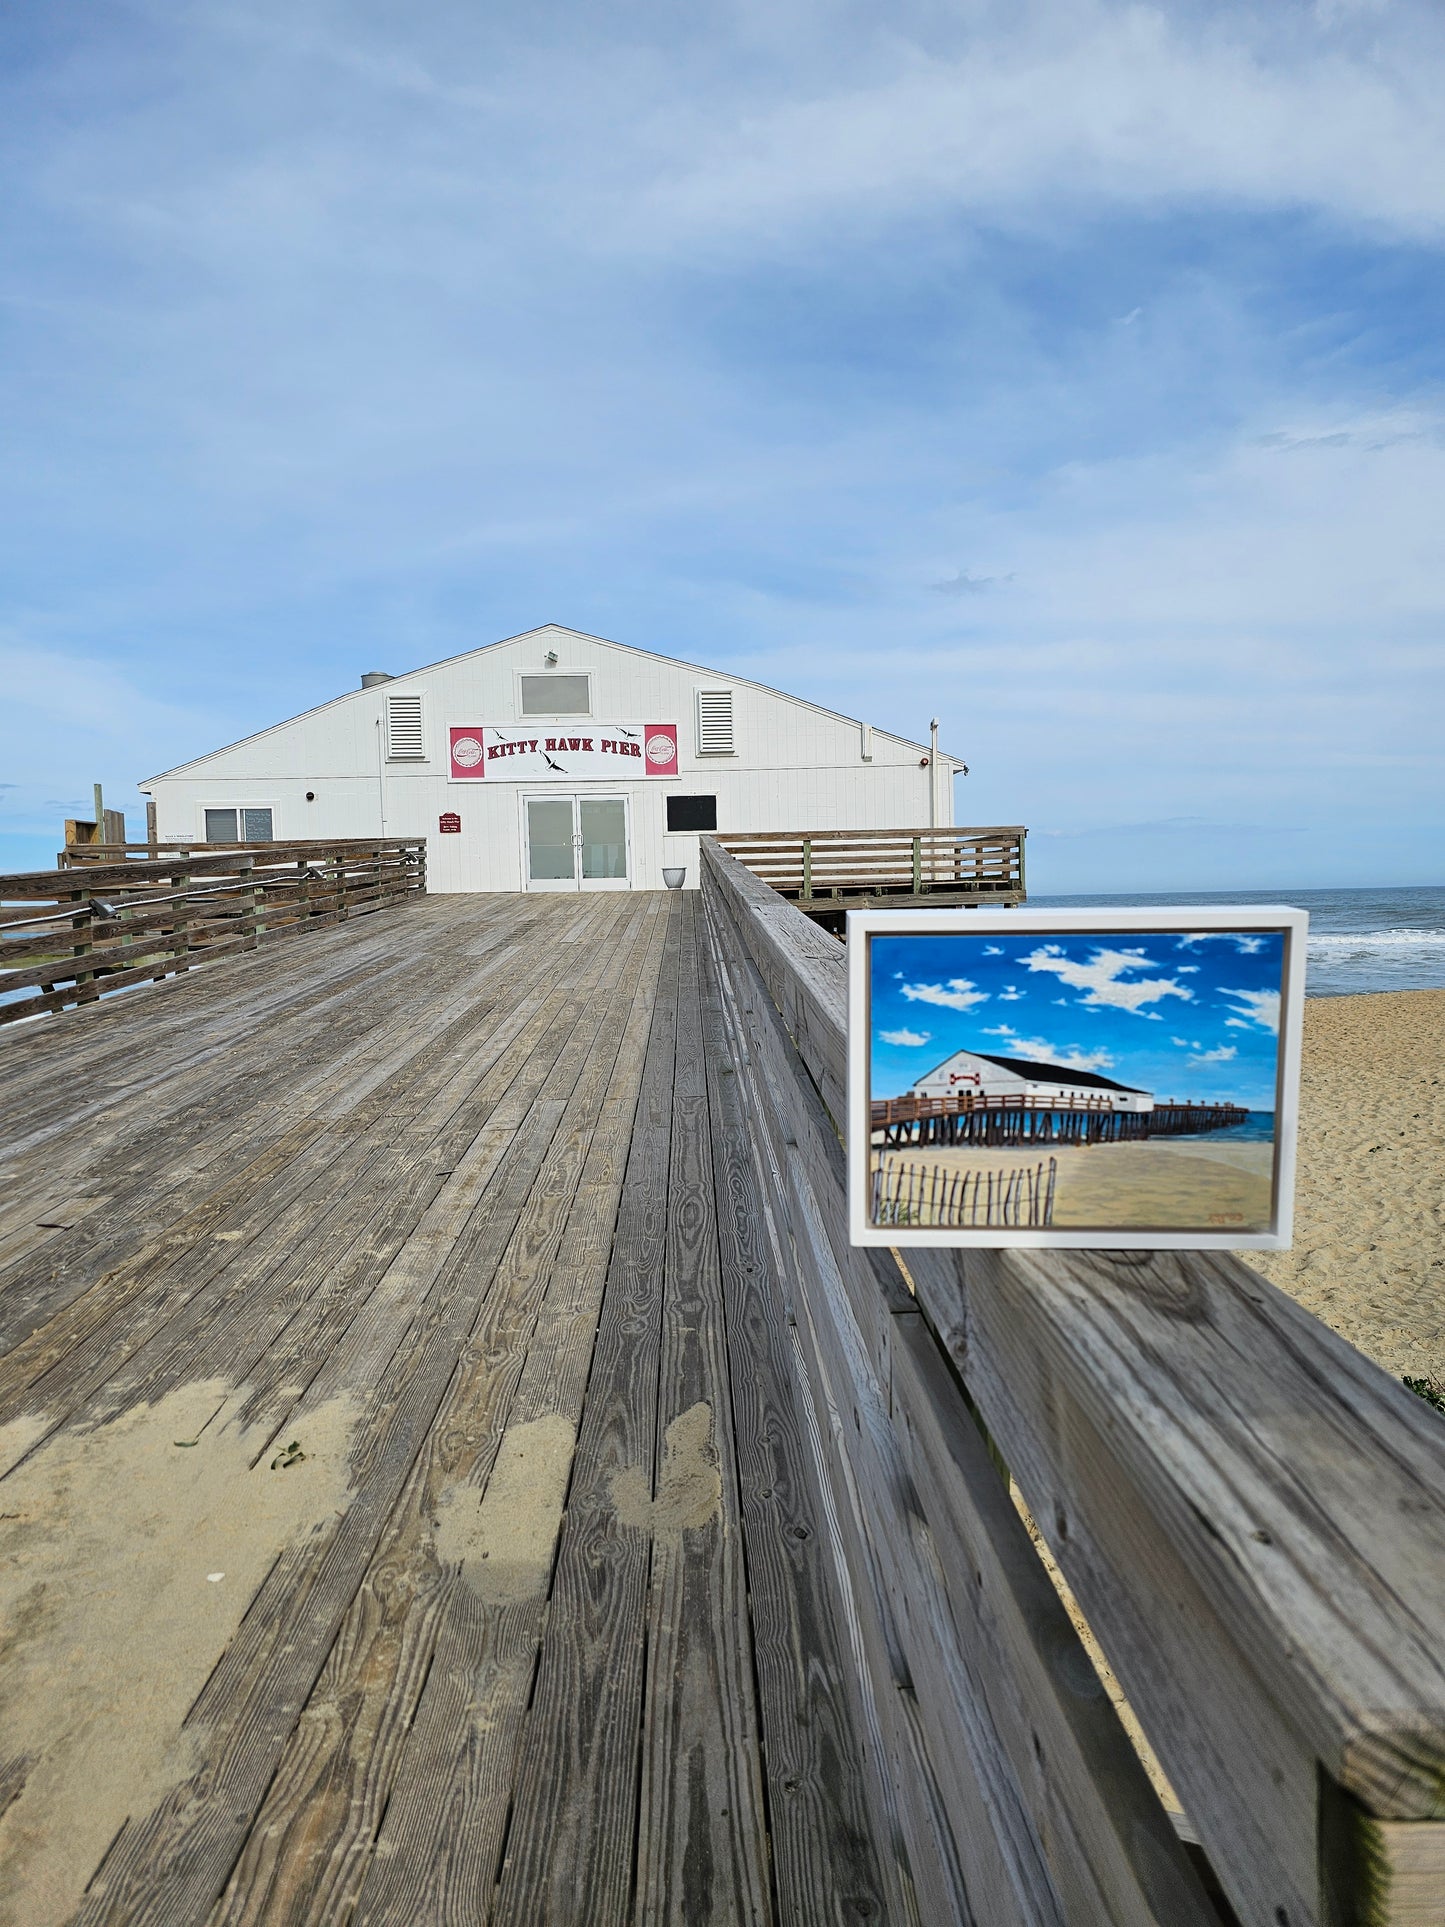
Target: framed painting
1087	1078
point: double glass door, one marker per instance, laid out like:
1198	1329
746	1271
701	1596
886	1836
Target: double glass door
575	842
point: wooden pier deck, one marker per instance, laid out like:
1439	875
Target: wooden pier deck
455	1469
388	1332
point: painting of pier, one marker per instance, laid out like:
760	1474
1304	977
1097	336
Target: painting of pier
1074	1078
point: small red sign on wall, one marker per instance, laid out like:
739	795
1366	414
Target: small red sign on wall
661	749
449	823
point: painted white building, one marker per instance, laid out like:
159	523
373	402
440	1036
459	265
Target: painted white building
555	761
989	1076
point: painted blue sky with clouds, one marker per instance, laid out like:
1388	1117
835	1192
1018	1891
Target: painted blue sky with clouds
1193	1016
1072	371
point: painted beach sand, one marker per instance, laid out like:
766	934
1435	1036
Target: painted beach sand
1217	1186
1079	1080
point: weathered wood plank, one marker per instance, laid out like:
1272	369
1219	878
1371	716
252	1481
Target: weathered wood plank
308	1849
438	1848
171	1220
825	1866
702	1849
172	1866
570	1850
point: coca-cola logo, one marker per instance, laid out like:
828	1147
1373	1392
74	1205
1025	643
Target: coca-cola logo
466	752
660	749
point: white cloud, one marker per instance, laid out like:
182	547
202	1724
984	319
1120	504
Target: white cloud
906	1039
86	694
1011	994
1221	1054
960	994
1247	943
1038	1049
1102	977
1254	1007
992	950
1086	104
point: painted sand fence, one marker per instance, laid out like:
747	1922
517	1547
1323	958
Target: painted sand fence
929	1194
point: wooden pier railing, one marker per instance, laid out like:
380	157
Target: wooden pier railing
1249	1514
69	936
823	870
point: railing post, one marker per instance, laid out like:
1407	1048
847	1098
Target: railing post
249	922
180	930
918	866
81	923
807	866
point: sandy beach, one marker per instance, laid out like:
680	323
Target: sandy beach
1369	1240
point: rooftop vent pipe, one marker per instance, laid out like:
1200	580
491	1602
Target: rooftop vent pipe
373	677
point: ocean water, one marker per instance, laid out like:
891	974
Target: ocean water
1257	1128
1360	940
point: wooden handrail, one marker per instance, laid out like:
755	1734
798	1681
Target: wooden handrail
1250	1514
822	867
69	936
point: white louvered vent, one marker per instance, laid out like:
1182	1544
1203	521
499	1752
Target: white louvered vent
404	738
715	722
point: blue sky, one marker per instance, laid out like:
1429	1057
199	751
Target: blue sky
1071	371
1193	1016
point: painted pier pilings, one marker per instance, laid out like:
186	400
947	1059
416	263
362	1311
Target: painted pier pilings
900	1121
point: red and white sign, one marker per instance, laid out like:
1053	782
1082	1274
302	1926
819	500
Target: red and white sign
449	823
562	753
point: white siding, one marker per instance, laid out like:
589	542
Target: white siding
795	767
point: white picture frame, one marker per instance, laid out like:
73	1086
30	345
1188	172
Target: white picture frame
1197	925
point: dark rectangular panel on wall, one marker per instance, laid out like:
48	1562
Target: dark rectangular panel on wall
692	813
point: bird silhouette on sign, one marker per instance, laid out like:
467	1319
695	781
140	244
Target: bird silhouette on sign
551	765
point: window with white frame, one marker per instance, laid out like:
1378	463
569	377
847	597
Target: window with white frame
242	824
715	722
405	732
565	693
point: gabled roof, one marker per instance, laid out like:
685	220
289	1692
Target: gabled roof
1036	1073
546	629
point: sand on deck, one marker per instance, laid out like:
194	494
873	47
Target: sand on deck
1369	1235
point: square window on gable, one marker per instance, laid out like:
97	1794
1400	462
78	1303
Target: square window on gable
553	695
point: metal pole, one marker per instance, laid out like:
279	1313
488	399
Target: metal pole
933	775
